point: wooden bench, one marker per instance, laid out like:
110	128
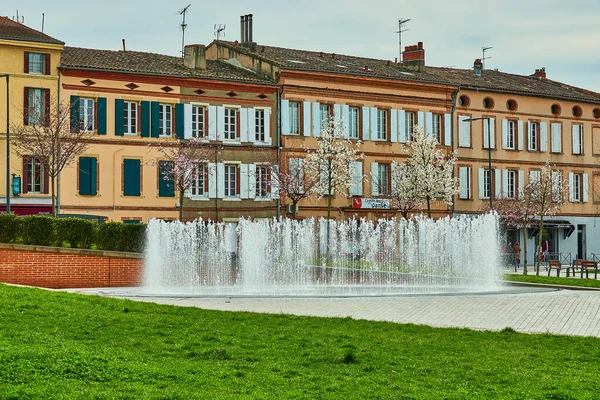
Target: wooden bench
587	266
555	264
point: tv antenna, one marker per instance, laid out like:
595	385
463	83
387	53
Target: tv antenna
483	57
401	23
18	19
219	29
183	25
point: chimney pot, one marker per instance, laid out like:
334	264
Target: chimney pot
396	60
124	48
420	45
414	56
540	73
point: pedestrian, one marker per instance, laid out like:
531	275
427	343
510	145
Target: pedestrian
517	248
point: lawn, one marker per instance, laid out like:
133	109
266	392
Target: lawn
553	280
60	345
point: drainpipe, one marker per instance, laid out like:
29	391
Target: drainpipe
454	95
58	146
115	180
279	148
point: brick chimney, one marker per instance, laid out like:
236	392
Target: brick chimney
195	57
540	73
413	57
478	67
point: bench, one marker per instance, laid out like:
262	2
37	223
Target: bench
555	264
587	266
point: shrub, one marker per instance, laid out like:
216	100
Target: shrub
109	235
9	228
38	230
78	232
133	238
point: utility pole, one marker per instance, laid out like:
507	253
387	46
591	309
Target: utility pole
401	23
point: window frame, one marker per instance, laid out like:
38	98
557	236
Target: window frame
36	106
230	118
295	117
533	136
198	121
228	185
580	131
512	135
259	125
577	189
262	181
32	63
384	189
199	180
382	124
353	123
87	122
34	165
438	127
488	174
165	120
410	126
514	176
130	117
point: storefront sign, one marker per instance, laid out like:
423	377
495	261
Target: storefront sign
375	204
16	185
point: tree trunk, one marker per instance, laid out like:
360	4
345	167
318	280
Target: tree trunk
405	214
328	208
181	195
52	181
538	261
525	249
428	207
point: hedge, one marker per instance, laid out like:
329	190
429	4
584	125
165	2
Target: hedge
37	230
9	228
78	232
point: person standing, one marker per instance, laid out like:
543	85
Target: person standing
517	248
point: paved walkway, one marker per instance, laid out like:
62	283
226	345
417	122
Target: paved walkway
567	312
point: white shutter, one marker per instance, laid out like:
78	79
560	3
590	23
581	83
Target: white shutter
521	183
337	113
489	137
464	131
285	117
402	126
421	119
504	183
529	134
504	134
244	181
268	139
498	185
394	126
521	133
394	168
274	182
556	137
543	136
571	188
492	125
556	186
251	180
463	175
212	180
485	134
220	122
244	126
373	122
447	129
365	123
251	125
306	117
212	123
187	121
374	179
534	176
585	188
481	183
429	124
357	178
316	119
346	120
576	139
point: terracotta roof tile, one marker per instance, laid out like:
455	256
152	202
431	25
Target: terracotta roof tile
12	30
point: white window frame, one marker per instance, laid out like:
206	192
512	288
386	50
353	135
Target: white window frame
324	113
198	121
381	124
36	63
86	114
165	120
230	123
410	125
577	186
488	174
437	128
230	180
130	118
197	188
533	142
353	121
383	179
467	195
295	117
511	184
36	106
262	181
580	133
259	125
511	134
34	165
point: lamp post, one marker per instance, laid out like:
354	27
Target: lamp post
7	143
489	137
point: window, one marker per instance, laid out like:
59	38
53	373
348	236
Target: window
577	188
230	124
88	175
132	177
86	115
383	179
37	63
199	185
36	109
489	133
294	117
533	136
488	182
488	103
437	128
577	111
511	105
198	126
353	122
511	184
464	177
262	181
259	119
410	125
511	134
557	187
382	124
577	139
231	180
325	110
130	117
464	101
296	174
555	109
35	175
596	188
165	120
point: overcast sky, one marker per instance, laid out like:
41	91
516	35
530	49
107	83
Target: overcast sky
525	34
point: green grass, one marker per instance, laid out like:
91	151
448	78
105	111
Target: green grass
553	280
60	345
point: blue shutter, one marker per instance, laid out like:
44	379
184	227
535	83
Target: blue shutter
119	117
101	116
74	109
93	175
145	119
84	175
179	121
155	120
131	177
285	117
166	187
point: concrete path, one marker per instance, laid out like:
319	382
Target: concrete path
566	312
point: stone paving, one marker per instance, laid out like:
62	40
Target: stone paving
531	310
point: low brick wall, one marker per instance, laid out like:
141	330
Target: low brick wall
58	267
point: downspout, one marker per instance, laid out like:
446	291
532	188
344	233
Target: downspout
279	149
58	146
454	95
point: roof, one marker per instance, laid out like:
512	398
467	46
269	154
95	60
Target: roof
12	30
137	62
492	80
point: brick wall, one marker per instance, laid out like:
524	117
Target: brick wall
55	267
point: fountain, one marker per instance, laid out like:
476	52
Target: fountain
292	258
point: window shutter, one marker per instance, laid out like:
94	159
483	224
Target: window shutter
47	64
316	119
576	139
273	173
373	114
521	134
463	176
504	183
481	183
212	180
543	136
429	124
26	105
521	183
93	176
374	179
306	117
529	134
337	114
131	177
187	121
26	63
556	137
251	181
357	178
212	122
154	119
402	126
346	120
74	110
85	177
220	180
166	183
285	117
421	119
394	126
464	131
145	116
585	188
498	185
268	139
119	117
571	188
243	184
252	124
25	175
180	121
220	122
534	176
504	134
447	130
365	123
46	119
556	186
101	116
244	125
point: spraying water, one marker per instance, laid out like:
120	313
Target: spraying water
295	258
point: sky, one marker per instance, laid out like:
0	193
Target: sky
559	35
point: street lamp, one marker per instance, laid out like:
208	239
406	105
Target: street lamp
489	137
7	143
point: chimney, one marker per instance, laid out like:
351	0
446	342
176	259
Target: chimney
124	48
246	30
413	57
243	29
249	28
195	57
540	73
478	67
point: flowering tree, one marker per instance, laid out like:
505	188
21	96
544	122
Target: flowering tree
293	184
404	191
429	172
184	163
49	137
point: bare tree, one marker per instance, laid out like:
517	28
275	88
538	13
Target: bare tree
294	185
48	135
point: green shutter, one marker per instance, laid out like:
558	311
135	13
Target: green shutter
119	117
84	175
166	187
101	116
93	175
179	113
155	106
132	177
145	119
74	109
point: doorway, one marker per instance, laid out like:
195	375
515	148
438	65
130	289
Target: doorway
581	242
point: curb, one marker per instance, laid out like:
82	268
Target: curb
550	286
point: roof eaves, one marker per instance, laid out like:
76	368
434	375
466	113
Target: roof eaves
22	39
533	94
